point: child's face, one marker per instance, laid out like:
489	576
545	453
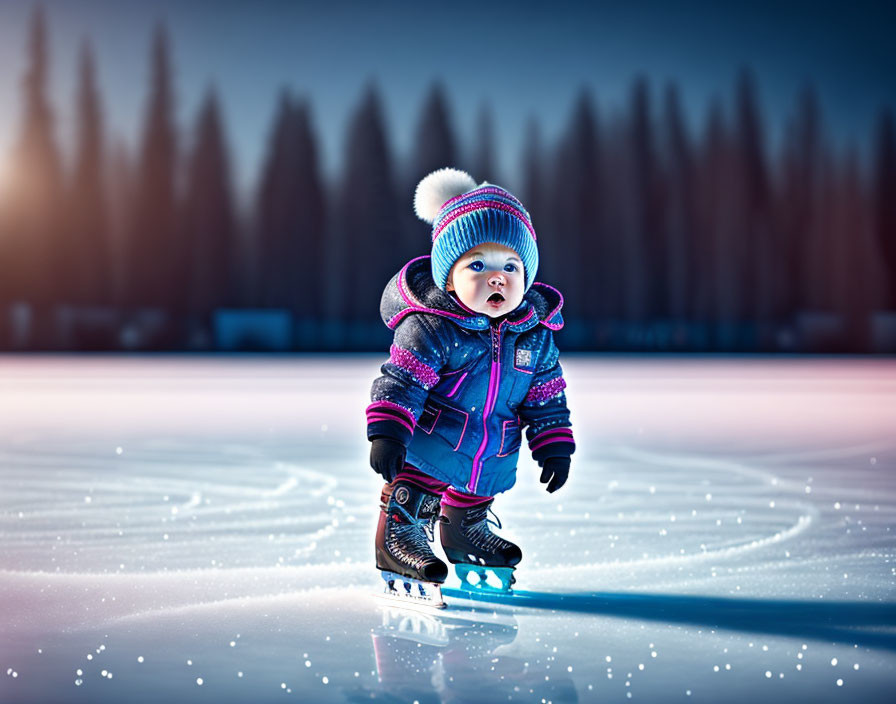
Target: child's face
488	279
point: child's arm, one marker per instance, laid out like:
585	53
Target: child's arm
545	413
397	397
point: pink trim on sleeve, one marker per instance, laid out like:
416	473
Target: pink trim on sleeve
397	413
407	360
546	437
376	417
534	445
542	392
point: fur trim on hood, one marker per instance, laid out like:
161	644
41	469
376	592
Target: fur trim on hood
412	290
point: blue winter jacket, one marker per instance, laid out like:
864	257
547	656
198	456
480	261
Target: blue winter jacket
459	388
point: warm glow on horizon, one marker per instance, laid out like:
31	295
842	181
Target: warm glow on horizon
4	175
6	181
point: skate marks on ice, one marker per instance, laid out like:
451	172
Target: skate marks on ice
659	493
738	490
723	523
705	524
155	506
92	536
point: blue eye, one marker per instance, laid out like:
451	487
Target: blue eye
510	267
477	265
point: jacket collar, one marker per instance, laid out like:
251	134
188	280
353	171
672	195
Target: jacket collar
412	290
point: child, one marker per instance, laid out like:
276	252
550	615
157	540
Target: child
473	362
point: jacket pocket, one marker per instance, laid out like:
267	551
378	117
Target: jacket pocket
511	437
457	383
448	423
452	382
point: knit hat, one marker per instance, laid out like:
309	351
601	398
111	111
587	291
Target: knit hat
464	215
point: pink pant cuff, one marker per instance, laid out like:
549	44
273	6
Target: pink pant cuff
459	499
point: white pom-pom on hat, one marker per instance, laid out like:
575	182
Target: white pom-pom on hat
438	188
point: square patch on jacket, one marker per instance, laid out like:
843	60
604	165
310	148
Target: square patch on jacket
523	359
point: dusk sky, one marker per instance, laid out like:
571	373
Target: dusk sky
525	59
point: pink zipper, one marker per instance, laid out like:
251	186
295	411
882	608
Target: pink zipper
491	398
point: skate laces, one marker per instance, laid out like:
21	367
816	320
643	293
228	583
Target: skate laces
479	532
478	515
424	523
417	533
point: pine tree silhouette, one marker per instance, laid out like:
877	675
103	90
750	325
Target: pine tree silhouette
292	231
852	254
575	210
681	224
371	245
535	166
209	223
314	230
885	200
156	259
799	203
120	208
720	289
649	216
35	195
85	264
277	216
754	240
484	164
435	146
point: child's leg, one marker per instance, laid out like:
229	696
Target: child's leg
409	510
465	533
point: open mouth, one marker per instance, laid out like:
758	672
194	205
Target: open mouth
496	298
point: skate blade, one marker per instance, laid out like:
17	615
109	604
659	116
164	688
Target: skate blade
482	578
411	592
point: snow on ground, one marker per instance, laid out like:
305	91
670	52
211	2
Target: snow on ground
201	529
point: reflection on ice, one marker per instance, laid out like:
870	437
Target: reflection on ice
458	657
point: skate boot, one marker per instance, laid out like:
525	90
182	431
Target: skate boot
482	560
403	555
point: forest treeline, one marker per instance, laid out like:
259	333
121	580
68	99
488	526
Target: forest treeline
661	237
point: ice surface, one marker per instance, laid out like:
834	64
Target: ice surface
201	530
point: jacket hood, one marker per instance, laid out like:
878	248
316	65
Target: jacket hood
412	290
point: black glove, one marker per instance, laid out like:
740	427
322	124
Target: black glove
555	469
387	457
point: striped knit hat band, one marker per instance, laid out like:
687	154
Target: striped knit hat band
486	196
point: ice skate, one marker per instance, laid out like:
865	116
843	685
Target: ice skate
413	574
482	560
